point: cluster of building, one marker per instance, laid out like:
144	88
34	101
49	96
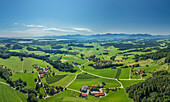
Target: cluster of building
140	72
106	50
95	90
73	53
93	59
118	60
161	62
102	63
75	63
42	71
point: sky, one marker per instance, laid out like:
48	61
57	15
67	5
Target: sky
26	18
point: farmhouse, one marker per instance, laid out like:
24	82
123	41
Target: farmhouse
75	63
84	88
101	63
36	66
94	86
101	85
94	92
118	60
46	68
83	94
41	75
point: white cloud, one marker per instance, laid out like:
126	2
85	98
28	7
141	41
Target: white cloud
35	26
56	29
15	23
83	29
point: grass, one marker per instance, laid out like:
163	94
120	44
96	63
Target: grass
72	58
86	76
7	94
2	80
95	81
64	81
124	73
163	67
127	83
107	72
54	78
143	62
116	96
118	73
28	77
69	96
134	76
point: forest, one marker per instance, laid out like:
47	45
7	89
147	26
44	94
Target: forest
153	89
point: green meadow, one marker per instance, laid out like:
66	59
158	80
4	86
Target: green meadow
107	72
64	81
8	94
54	78
92	81
28	77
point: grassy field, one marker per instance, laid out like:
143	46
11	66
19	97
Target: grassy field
93	81
86	76
127	83
2	80
69	96
124	73
64	81
118	73
7	94
116	96
28	77
163	67
107	72
54	78
19	66
72	58
143	62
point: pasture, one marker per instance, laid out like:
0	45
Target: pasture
28	77
107	72
93	81
54	78
64	81
10	95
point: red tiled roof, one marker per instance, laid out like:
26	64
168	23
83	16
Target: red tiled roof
94	86
96	95
101	93
41	75
84	94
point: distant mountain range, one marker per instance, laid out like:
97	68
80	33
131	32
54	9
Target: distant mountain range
108	36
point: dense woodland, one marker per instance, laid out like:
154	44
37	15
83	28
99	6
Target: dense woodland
153	89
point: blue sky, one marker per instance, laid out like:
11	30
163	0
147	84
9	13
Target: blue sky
61	17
